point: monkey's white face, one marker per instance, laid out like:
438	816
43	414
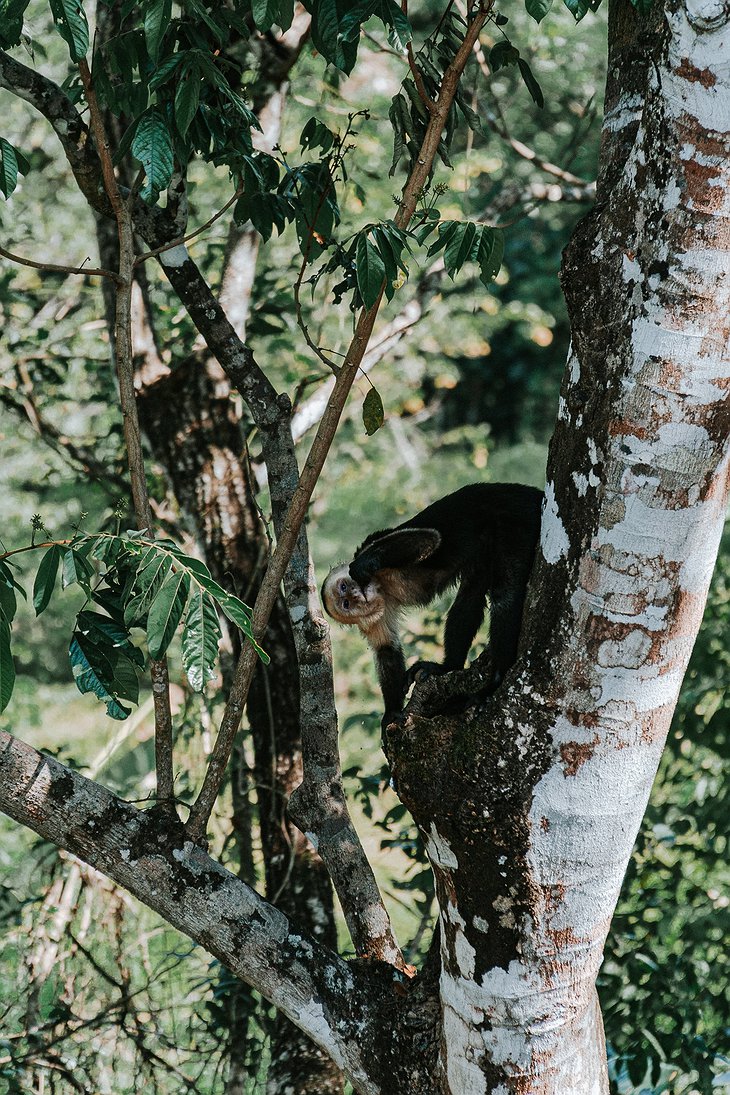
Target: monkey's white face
347	603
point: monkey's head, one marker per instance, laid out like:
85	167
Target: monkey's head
347	603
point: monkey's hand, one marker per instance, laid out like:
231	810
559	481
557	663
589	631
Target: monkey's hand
392	718
421	670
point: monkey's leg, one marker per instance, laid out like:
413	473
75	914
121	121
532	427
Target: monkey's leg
504	630
391	669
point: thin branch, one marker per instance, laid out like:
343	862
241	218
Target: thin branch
182	240
497	124
418	78
54	268
69	450
123	356
202	807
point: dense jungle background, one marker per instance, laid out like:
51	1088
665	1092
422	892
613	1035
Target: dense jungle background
96	994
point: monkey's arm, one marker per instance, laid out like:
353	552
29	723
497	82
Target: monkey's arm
462	624
393	550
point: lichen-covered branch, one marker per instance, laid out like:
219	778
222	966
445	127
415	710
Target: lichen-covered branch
155	861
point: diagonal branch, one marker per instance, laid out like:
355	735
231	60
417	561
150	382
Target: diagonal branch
332	1002
321	757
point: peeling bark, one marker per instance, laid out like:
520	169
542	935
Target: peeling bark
535	801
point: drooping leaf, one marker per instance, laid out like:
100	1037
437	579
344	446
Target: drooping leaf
45	579
531	83
503	54
401	31
370	270
238	614
201	633
153	569
490	253
538	9
166	612
106	632
75	569
459	247
8	588
8	601
373	414
11	22
7	668
94	672
70	20
156	21
187	98
446	231
153	148
264	13
8	167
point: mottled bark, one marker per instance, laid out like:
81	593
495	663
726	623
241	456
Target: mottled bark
532	803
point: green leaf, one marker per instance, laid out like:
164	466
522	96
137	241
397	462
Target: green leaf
166	612
239	614
8	168
7	668
106	632
579	8
370	270
11	22
401	32
45	579
71	24
446	230
459	247
156	21
373	414
8	587
75	569
8	601
153	148
187	98
201	633
490	253
503	54
538	9
94	672
531	83
264	13
153	569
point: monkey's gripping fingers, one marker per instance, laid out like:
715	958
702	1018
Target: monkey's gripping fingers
392	718
420	671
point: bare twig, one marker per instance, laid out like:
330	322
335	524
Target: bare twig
54	268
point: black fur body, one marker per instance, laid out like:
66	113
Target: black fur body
481	538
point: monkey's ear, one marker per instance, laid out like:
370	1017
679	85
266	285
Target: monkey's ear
394	550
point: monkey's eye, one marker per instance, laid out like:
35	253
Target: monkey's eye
345	603
343	586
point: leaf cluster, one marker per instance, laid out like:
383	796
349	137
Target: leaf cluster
137	583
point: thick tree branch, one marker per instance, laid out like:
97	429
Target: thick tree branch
157	863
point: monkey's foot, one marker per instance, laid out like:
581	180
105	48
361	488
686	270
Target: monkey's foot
421	671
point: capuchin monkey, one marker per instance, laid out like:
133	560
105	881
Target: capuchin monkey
481	538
